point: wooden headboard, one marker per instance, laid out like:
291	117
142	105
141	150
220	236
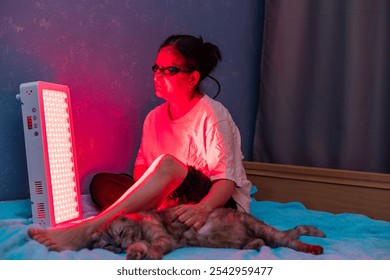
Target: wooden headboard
322	189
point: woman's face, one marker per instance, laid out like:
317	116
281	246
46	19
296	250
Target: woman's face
171	86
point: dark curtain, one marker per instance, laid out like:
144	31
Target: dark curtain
325	85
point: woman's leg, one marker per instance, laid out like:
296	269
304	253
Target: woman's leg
163	176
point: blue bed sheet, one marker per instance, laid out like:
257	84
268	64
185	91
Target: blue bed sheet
349	236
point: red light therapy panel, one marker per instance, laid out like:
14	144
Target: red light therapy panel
52	172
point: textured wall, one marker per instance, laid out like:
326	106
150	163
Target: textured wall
103	50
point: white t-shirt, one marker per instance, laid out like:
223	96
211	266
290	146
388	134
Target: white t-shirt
206	138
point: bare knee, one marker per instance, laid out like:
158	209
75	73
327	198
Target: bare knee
171	167
98	182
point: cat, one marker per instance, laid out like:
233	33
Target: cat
152	234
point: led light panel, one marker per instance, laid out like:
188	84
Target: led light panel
52	171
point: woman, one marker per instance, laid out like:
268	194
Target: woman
189	155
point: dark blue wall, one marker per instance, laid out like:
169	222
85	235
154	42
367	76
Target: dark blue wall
103	50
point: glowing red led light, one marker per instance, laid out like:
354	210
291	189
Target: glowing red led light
59	146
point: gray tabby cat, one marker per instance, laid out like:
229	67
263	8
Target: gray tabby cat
152	234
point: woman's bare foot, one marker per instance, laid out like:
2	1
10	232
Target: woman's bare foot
72	237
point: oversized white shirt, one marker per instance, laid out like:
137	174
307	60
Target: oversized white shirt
206	138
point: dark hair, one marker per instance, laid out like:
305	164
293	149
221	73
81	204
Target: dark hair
200	56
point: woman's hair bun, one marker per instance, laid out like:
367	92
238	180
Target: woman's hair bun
199	55
211	57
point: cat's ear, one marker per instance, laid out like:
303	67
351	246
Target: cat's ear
92	240
94	237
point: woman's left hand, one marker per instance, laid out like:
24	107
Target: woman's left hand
193	215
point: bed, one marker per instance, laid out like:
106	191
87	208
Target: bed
352	208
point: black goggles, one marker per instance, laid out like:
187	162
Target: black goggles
170	70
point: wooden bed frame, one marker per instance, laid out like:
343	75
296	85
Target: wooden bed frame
322	189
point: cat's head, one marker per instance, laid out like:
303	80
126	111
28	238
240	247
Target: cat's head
116	235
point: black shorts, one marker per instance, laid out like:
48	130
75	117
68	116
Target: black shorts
194	188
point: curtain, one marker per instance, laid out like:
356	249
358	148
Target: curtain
325	85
